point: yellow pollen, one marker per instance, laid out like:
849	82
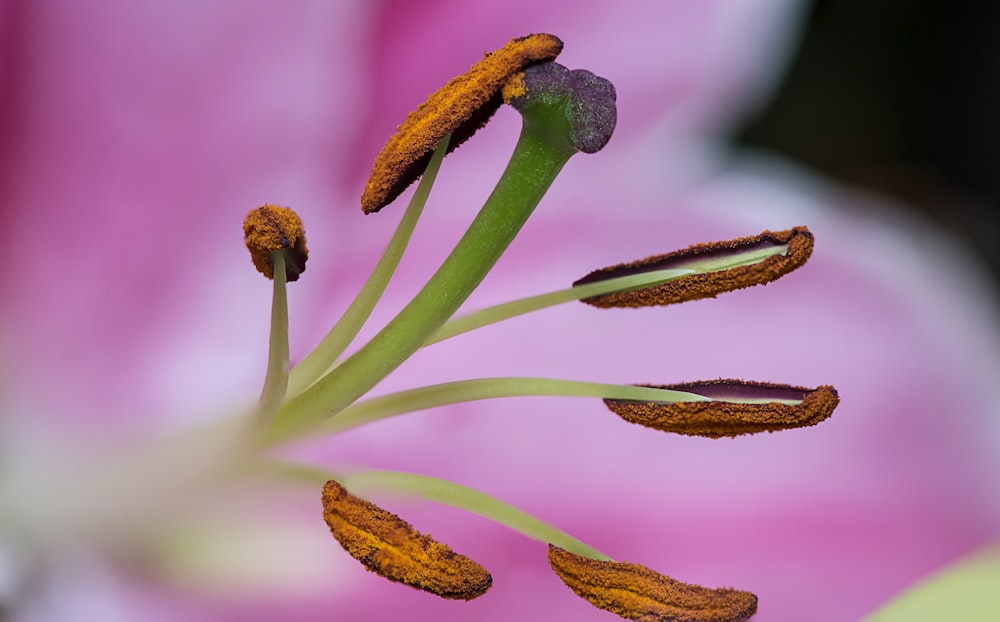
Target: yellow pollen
635	592
387	545
514	88
269	229
460	108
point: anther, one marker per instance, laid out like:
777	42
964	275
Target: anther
719	267
635	592
460	107
271	229
736	407
387	545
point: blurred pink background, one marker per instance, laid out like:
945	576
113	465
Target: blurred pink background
136	137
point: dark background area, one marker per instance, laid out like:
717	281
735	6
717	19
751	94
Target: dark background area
901	96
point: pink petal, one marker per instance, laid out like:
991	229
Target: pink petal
140	135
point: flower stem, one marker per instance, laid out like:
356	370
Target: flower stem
533	166
336	341
276	377
422	398
514	308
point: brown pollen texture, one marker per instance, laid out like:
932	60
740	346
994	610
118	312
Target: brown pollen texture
387	545
716	419
707	284
268	229
635	592
460	107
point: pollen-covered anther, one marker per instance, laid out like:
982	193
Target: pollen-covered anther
460	107
635	592
271	229
718	267
734	407
387	545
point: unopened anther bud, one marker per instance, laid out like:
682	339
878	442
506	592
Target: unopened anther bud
270	229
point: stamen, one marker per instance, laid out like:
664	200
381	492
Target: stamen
471	500
635	592
270	229
277	242
442	491
460	107
389	546
736	407
719	267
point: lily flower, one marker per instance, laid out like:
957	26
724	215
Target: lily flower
172	507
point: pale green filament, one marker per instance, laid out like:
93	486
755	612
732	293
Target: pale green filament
333	344
471	500
733	259
514	308
276	377
362	483
393	404
757	400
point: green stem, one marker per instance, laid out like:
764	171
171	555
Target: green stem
536	161
422	398
471	500
336	341
276	377
514	308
